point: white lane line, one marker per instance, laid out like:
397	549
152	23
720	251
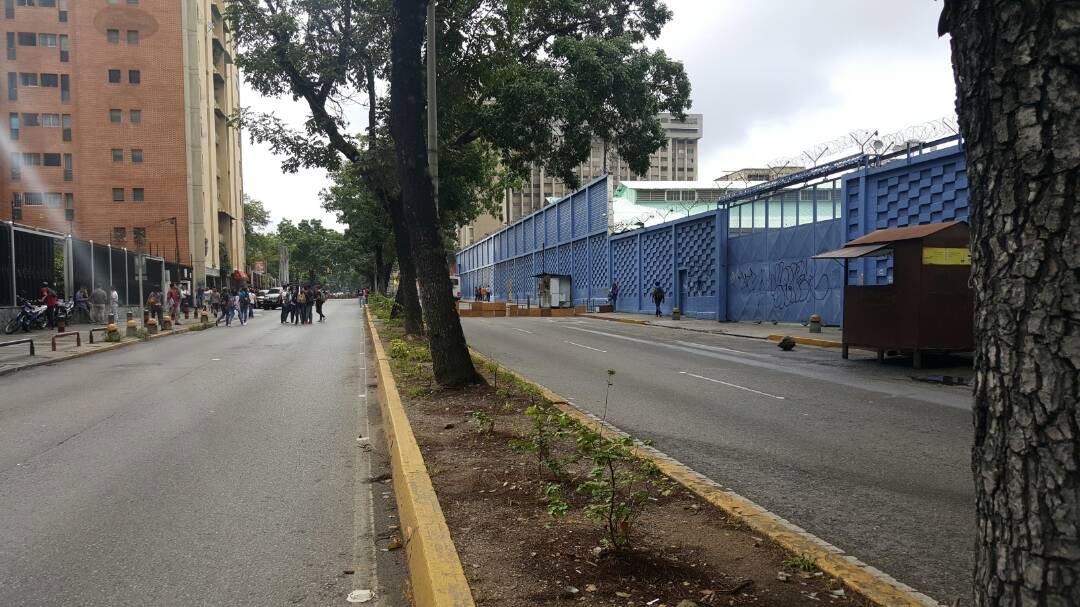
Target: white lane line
708	347
522	330
717	381
586	347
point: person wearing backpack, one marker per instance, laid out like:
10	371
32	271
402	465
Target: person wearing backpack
286	303
243	300
658	297
301	304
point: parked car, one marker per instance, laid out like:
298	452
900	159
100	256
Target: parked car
260	297
271	298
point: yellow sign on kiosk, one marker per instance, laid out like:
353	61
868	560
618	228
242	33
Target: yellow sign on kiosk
940	256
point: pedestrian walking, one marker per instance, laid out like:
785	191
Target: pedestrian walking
476	294
613	294
243	299
99	299
223	306
200	299
298	305
320	299
215	302
286	304
114	303
657	297
364	297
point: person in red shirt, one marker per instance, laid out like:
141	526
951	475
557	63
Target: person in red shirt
51	301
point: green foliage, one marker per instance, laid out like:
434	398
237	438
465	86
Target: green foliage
549	425
555	503
113	337
482	422
801	562
381	306
142	334
400	349
618	486
199	326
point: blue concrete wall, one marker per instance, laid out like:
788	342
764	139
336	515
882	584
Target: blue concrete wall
709	270
568	237
930	188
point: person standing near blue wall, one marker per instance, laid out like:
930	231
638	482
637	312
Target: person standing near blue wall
657	297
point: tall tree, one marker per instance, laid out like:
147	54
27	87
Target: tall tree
322	53
1018	90
450	358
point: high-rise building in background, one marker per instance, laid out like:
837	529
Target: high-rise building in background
676	161
117	128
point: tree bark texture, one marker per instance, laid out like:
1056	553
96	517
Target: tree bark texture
407	299
450	357
1017	69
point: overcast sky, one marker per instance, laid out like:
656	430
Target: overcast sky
771	77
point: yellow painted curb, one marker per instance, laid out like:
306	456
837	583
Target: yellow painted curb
876	586
628	321
435	571
807	341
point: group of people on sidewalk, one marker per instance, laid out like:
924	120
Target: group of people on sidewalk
482	293
93	306
297	302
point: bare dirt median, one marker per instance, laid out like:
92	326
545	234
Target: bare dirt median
528	496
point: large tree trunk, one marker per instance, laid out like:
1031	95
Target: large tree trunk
1018	92
406	298
450	357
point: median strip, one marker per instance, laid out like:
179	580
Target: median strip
435	573
876	586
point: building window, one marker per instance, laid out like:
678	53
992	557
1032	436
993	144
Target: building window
65	88
115	116
47	40
117	155
137	194
65	49
133	37
69	168
132	1
13	86
63	11
31	120
119	236
134	77
65	120
11	46
51	160
47	3
27	39
136	116
50	80
118	194
69	201
52	200
16	165
13	123
9	9
114	76
136	156
50	120
31	159
139	234
28	79
113	36
33	199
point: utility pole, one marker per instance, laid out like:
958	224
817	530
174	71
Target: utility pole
432	105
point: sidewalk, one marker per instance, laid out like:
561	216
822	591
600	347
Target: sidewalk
829	336
17	357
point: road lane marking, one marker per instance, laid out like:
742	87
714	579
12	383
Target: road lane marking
714	348
522	330
586	347
717	381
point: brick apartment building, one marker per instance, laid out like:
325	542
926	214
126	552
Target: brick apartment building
116	131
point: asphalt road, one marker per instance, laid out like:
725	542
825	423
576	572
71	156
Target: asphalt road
855	452
220	467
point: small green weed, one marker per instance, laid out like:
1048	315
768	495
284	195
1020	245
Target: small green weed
802	562
482	422
555	503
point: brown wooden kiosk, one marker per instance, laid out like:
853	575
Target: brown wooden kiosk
929	306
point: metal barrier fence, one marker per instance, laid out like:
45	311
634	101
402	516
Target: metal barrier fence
30	257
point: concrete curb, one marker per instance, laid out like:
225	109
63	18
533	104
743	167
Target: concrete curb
628	321
107	348
435	571
876	586
808	341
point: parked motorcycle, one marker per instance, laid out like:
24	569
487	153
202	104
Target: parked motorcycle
31	316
